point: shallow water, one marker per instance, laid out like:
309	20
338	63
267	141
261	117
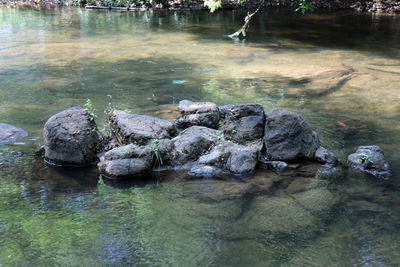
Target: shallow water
341	72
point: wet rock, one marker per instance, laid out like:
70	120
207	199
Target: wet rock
139	129
236	159
9	134
288	136
323	155
277	166
244	123
193	142
197	113
242	160
371	160
206	171
71	138
125	161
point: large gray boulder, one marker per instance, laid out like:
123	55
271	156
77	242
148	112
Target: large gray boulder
126	161
197	113
288	136
71	138
9	134
244	124
139	129
371	160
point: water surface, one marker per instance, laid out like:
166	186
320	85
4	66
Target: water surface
149	61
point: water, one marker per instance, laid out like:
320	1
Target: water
53	59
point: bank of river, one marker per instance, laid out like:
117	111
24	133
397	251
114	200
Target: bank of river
339	71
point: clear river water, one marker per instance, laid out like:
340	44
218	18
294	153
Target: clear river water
341	72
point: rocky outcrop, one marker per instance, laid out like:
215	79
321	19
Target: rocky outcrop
10	134
71	138
126	161
197	113
370	160
244	124
288	137
139	143
139	129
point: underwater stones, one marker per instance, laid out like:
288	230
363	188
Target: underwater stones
71	138
139	129
370	160
9	134
125	161
244	123
323	155
305	184
288	136
279	215
197	113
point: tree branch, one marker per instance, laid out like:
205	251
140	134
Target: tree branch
246	24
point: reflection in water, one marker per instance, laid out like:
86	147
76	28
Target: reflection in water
341	72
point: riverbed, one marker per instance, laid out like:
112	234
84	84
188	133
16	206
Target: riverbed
341	72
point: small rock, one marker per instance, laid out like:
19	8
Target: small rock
206	171
126	161
277	166
197	113
71	138
9	134
139	129
323	155
370	160
288	136
192	143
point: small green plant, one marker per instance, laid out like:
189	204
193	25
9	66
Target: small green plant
232	115
90	109
304	6
221	125
366	160
234	131
155	153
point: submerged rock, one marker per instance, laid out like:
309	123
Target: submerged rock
244	124
371	160
139	129
125	161
197	113
71	138
206	171
9	134
288	136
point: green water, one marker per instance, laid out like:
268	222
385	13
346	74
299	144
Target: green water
53	59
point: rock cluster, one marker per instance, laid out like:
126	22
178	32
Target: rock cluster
246	138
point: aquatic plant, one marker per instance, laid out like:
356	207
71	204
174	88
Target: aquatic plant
155	153
90	109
